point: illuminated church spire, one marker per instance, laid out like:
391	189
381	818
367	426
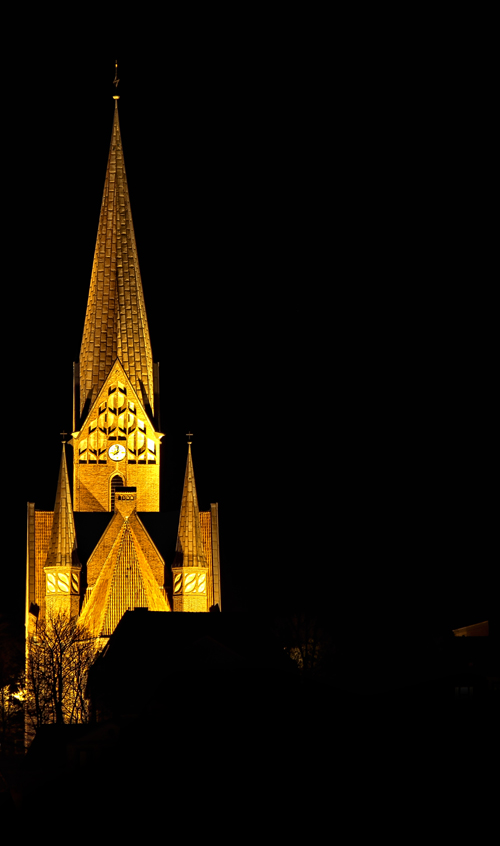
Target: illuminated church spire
116	408
190	568
115	324
62	567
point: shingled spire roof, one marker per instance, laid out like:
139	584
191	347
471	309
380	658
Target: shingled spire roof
189	551
115	324
62	544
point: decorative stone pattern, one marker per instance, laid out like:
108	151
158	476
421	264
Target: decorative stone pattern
117	417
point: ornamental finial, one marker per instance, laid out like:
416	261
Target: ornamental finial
116	80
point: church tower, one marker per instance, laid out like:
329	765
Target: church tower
116	459
115	439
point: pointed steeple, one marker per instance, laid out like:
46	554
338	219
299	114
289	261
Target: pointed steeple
62	544
190	567
62	567
189	551
115	324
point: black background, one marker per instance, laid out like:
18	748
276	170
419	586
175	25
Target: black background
313	215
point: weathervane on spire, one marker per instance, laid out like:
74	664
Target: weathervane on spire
189	435
116	81
63	435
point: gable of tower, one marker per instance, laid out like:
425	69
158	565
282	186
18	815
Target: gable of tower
141	539
99	555
125	581
117	426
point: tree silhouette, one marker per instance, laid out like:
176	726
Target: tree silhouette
59	655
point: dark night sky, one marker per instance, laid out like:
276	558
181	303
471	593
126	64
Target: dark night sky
314	251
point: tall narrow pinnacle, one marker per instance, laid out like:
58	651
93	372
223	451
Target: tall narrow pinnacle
115	323
62	544
189	550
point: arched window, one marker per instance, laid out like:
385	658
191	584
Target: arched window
116	482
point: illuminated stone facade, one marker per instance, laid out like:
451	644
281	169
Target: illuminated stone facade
53	571
116	457
124	571
117	441
39	532
116	384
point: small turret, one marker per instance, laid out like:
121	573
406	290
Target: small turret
190	568
62	568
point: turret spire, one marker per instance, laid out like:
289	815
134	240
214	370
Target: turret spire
189	551
190	567
62	544
62	567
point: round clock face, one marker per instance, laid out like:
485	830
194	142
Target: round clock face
116	452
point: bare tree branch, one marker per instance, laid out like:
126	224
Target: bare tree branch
59	656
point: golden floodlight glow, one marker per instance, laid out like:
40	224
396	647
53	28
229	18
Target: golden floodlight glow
116	462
